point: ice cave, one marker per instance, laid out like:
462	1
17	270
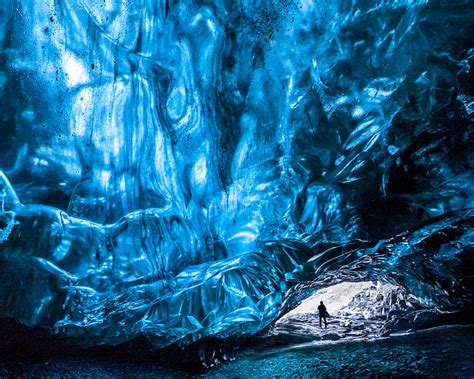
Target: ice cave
187	180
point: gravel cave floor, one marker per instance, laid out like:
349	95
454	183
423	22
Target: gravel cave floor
443	351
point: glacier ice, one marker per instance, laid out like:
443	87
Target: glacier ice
173	168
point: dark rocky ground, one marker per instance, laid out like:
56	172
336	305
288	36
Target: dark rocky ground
446	351
437	352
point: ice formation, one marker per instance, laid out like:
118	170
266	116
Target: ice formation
173	168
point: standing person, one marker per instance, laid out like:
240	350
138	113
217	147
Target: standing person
322	314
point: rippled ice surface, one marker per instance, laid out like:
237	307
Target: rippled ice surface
185	169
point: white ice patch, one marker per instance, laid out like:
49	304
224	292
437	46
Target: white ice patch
74	70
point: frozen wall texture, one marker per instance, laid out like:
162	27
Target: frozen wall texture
171	168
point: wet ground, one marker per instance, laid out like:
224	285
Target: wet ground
438	352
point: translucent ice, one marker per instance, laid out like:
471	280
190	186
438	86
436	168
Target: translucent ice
171	168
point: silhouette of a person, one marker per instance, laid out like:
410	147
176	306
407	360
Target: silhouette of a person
322	315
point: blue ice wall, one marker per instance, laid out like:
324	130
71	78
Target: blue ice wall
169	166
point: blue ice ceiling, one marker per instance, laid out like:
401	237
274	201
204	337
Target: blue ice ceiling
171	168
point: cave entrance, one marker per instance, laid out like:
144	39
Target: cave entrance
359	309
